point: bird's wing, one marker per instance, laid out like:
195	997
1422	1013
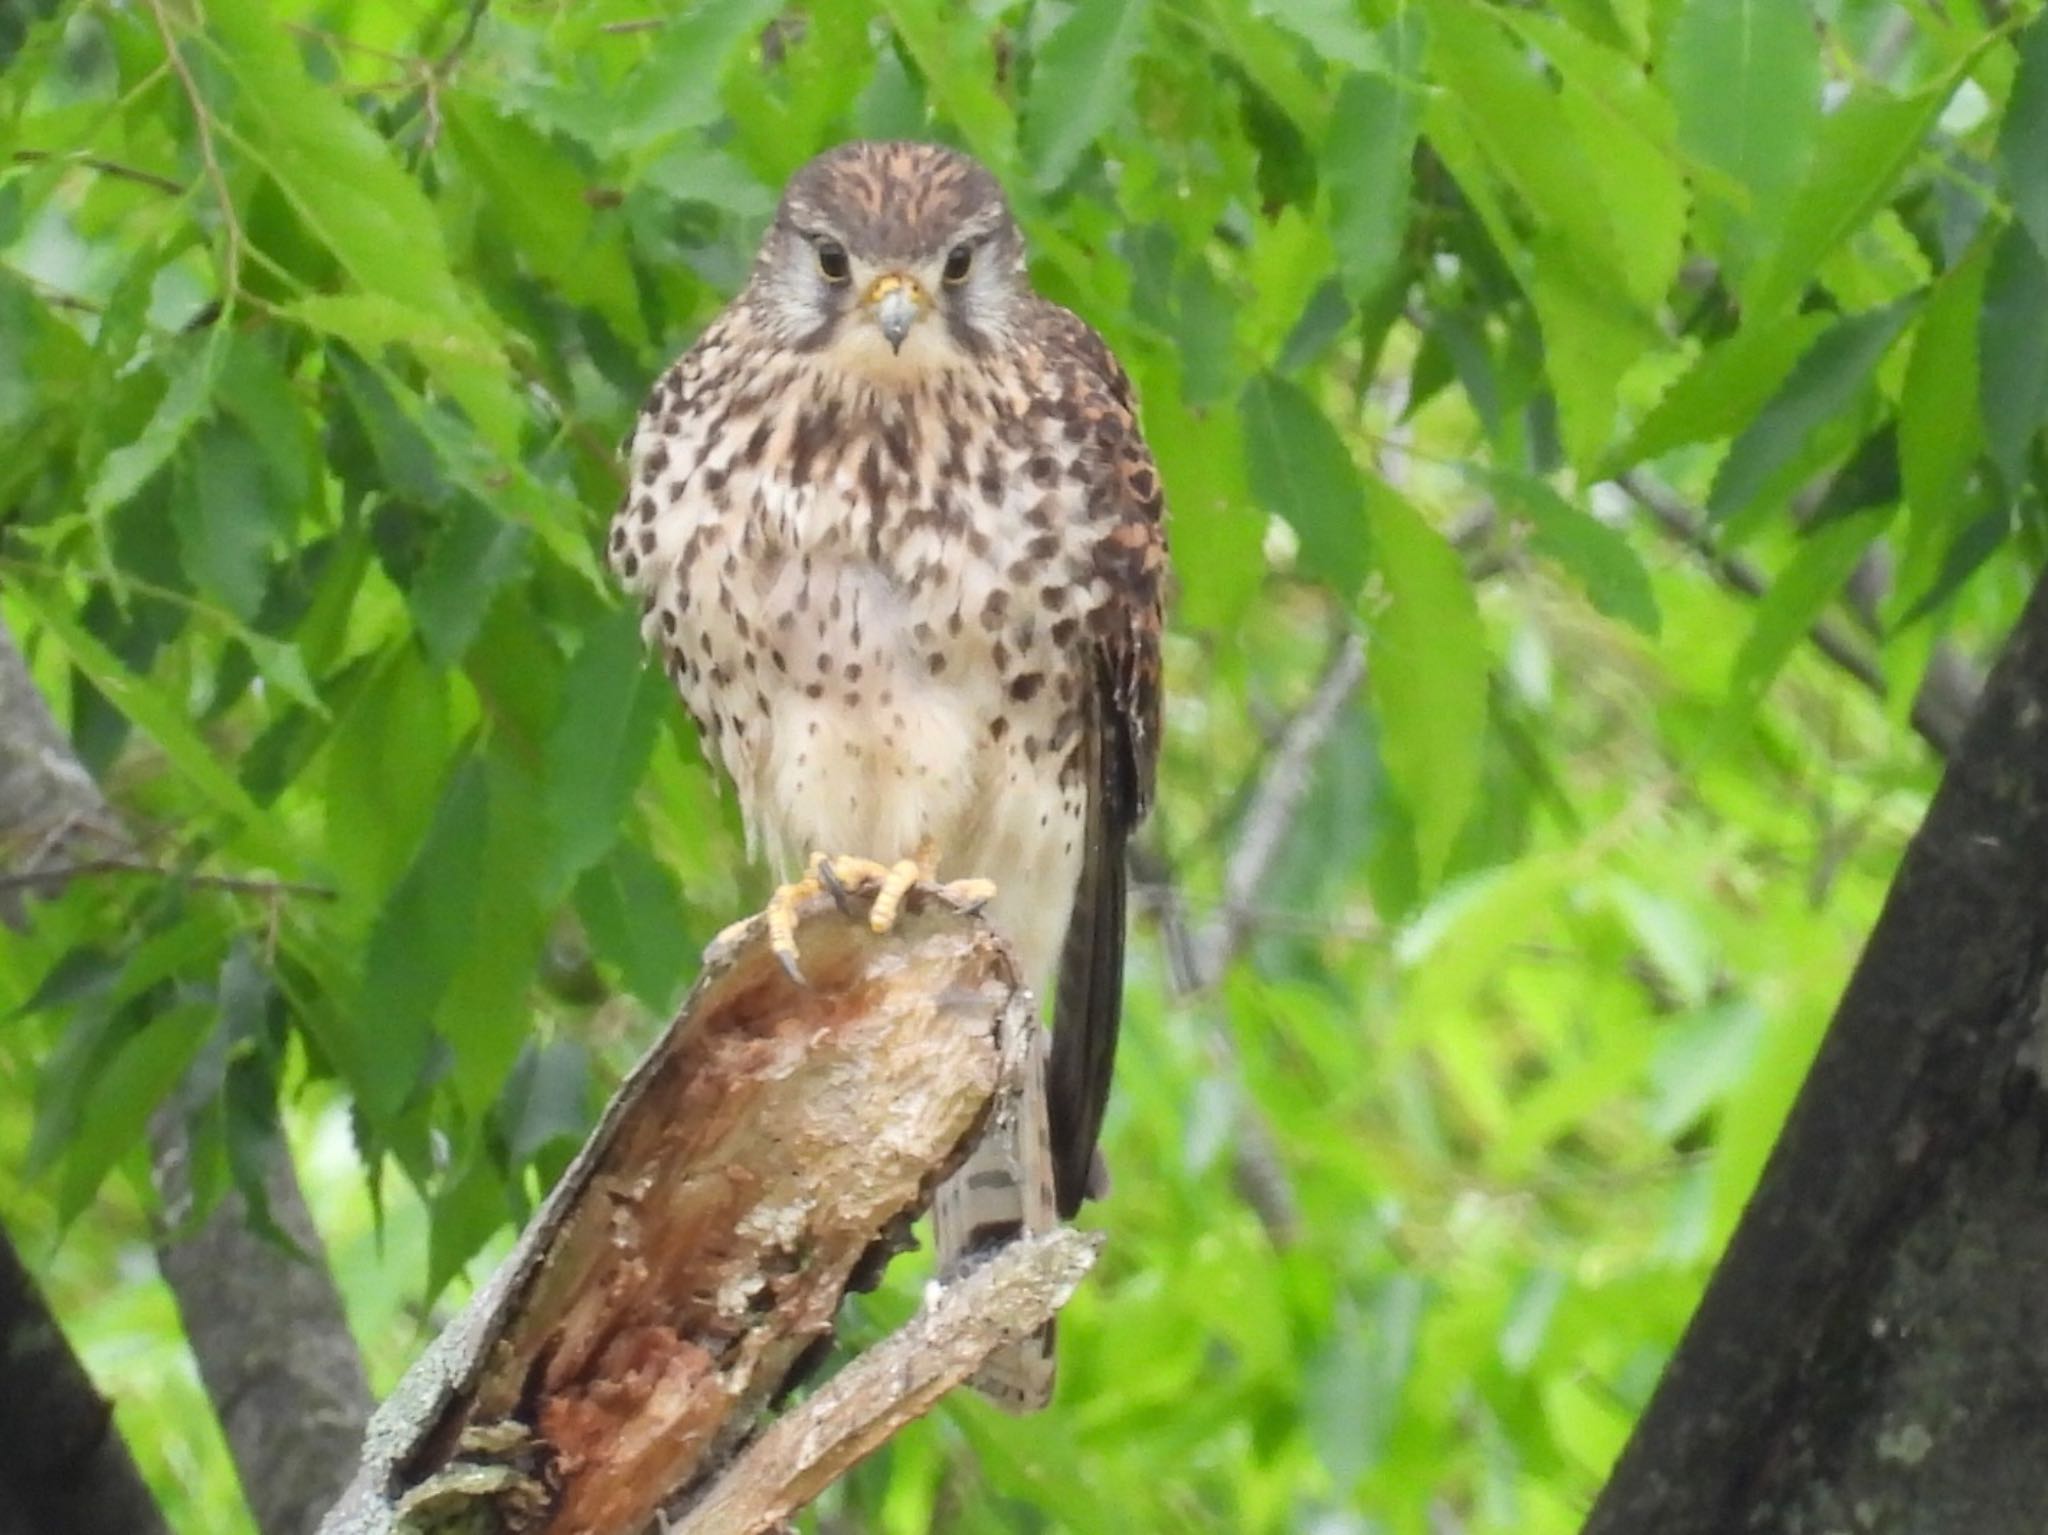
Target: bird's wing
1126	512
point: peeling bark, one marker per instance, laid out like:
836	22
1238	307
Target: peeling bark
683	1272
1872	1352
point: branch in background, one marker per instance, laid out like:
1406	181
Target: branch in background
62	1466
894	1382
694	1256
267	1327
52	877
1197	961
1948	692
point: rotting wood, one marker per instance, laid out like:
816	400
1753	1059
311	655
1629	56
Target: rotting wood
699	1246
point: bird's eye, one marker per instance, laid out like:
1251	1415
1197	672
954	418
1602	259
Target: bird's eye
958	261
832	261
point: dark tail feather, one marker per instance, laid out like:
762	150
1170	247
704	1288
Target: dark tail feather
1089	1006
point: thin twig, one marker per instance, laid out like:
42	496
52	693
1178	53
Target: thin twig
1274	805
1196	962
58	874
231	280
103	166
1947	691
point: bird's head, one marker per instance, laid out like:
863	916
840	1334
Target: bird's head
891	259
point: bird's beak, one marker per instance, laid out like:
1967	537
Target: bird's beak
896	300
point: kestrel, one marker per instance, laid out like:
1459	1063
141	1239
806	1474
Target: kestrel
898	542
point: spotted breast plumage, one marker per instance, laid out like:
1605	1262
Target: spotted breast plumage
899	544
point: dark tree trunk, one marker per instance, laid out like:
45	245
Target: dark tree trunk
266	1326
1872	1352
62	1466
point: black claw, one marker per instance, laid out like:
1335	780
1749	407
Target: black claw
836	888
791	969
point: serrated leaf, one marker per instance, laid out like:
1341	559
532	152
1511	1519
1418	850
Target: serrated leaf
471	558
1367	163
1812	580
1588	343
1745	79
417	946
537	195
161	718
1826	381
674	88
1722	390
1427	672
1941	422
2012	342
114	1115
187	399
1080	80
220	510
342	182
1628	132
633	911
1864	145
1595	555
613	703
1300	471
1495	89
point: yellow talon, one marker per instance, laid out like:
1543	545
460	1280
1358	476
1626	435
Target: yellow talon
896	883
845	875
784	908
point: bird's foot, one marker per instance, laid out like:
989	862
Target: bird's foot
923	865
840	877
845	877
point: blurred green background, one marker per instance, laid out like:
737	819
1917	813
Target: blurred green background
1579	356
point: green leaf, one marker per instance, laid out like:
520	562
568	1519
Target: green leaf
1745	78
417	946
1941	423
1721	391
116	1112
1627	129
1427	671
341	180
1301	471
1864	145
2023	135
163	719
674	88
613	704
221	512
1080	80
1597	556
1495	88
187	399
1366	166
1825	384
1812	580
486	1015
1588	343
537	196
471	559
633	910
2012	342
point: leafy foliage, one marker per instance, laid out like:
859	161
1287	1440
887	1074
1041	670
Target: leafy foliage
319	322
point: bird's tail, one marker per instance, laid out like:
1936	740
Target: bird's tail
1004	1190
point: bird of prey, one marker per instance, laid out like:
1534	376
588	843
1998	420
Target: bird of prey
899	543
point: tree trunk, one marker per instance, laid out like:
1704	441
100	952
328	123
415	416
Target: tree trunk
266	1327
1872	1352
